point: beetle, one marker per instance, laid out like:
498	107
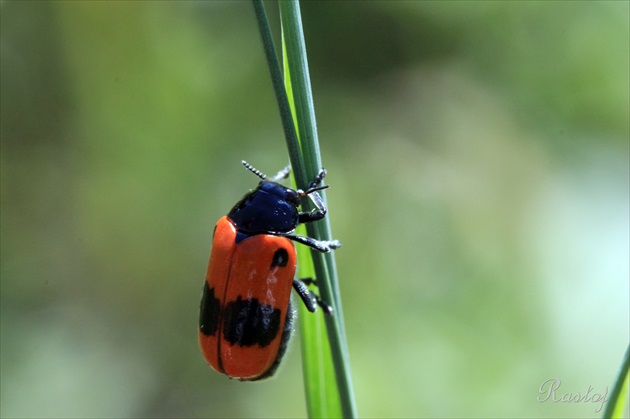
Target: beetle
246	314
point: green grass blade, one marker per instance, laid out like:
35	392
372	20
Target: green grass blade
298	79
277	80
619	394
322	395
328	383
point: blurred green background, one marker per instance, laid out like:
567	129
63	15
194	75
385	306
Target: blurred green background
478	157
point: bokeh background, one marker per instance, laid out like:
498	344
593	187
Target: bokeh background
478	153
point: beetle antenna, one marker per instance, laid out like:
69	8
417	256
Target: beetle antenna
313	186
311	190
282	174
254	170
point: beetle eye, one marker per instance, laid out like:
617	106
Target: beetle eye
292	197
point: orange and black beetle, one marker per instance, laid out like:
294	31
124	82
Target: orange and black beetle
246	317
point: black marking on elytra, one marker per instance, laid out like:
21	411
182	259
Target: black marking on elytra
249	323
209	312
280	258
284	341
214	231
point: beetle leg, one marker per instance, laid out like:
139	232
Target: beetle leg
320	208
309	281
319	245
309	217
318	213
318	179
311	301
308	297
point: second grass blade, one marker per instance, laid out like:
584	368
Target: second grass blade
297	80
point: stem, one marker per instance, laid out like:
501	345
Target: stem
306	162
277	81
611	406
324	264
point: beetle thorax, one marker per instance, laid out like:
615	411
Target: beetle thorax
270	208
